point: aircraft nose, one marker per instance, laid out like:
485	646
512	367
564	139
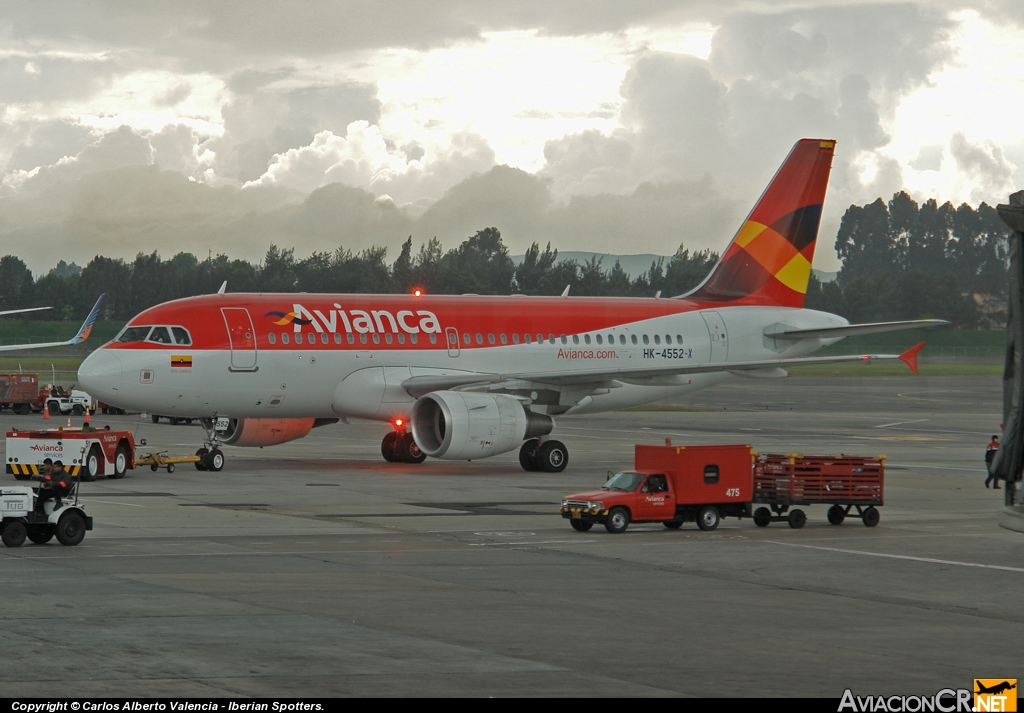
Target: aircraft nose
100	375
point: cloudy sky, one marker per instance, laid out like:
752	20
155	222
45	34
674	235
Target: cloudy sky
618	127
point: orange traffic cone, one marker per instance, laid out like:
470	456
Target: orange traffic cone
69	424
87	419
46	412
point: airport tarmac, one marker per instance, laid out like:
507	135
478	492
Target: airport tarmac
316	569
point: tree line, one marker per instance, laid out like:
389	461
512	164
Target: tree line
900	260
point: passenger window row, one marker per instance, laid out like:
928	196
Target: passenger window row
469	339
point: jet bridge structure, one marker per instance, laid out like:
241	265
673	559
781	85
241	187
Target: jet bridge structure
1009	461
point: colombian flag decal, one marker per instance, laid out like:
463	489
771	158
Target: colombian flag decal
181	361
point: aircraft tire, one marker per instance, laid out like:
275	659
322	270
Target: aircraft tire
552	456
409	450
215	460
201	463
528	456
708	518
388	449
871	517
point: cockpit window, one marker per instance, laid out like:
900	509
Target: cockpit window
160	335
181	335
134	334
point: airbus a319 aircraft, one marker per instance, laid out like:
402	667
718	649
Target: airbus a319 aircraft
468	377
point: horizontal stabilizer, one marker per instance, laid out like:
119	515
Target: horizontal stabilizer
22	311
83	333
850	330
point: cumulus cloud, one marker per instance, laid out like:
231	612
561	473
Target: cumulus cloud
984	163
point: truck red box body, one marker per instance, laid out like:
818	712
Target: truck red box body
701	474
20	390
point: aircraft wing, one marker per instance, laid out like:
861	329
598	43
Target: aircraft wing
83	332
849	330
20	311
419	385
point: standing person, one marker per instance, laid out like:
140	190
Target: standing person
990	455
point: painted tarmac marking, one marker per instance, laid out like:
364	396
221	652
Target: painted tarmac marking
107	502
900	423
930	560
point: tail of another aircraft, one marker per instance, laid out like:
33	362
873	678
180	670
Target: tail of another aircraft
769	260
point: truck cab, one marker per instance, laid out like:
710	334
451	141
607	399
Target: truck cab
671	485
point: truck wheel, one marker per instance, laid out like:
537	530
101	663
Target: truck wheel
762	517
618	520
708	517
70	528
40	534
871	516
797	519
528	456
836	514
201	463
154	418
120	463
215	460
23	409
580	525
93	465
174	420
14	534
552	456
77	410
54	408
673	524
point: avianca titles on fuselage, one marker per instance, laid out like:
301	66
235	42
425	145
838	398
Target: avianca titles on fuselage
473	375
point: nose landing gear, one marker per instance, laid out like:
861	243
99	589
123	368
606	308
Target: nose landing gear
400	447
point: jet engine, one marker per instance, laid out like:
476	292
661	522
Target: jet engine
253	432
460	425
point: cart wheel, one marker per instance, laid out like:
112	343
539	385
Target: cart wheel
708	518
672	524
580	525
154	418
797	519
871	516
14	534
618	521
836	514
70	528
201	463
762	517
154	467
170	467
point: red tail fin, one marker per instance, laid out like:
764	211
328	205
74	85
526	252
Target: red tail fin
769	260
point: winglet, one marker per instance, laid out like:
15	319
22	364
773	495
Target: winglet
223	288
86	329
909	357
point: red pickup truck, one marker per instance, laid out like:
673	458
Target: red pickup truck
671	485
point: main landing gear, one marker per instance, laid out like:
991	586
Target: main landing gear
399	447
549	456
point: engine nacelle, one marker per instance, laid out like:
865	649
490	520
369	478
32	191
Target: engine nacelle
254	432
461	425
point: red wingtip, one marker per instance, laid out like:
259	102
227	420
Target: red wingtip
909	357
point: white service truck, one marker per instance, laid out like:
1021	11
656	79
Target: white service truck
19	518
